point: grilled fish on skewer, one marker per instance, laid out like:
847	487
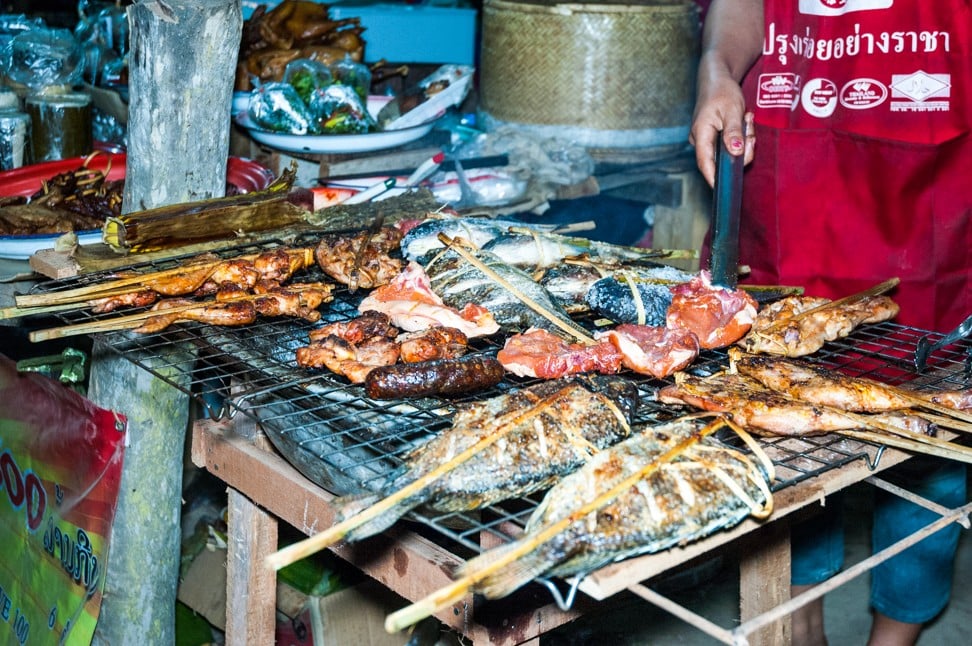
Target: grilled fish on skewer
706	488
639	296
424	237
530	438
796	326
664	486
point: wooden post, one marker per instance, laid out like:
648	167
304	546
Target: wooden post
181	72
143	559
182	68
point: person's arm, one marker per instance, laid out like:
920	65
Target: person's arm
732	40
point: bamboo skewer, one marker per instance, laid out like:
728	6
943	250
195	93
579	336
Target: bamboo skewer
454	592
575	331
911	445
130	321
873	291
134	282
335	533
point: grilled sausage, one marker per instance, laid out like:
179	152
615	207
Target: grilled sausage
438	377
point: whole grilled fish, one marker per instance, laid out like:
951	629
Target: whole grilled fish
533	437
423	238
569	284
683	500
636	295
459	282
544	249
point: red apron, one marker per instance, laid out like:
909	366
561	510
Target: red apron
863	166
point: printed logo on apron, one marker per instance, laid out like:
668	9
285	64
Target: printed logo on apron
840	7
780	90
920	92
819	97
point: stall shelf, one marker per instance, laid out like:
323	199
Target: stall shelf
286	441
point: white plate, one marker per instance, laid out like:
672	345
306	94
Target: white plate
338	143
23	247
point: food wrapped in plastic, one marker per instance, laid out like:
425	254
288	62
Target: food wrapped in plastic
42	57
357	75
307	75
337	109
278	107
12	25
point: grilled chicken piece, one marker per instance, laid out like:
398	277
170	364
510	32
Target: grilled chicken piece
141	298
223	314
299	301
434	343
367	325
348	359
820	385
361	259
765	412
784	328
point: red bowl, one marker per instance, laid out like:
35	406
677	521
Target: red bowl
246	175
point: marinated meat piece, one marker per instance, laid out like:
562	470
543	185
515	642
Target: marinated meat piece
653	350
539	353
362	258
412	305
717	316
434	343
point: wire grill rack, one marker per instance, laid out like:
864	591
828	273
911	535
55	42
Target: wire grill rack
345	442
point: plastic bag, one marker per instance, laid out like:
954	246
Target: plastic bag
337	109
43	57
307	75
354	74
277	107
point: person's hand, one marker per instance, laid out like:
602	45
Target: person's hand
720	108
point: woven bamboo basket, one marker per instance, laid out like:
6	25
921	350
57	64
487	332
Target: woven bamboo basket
606	75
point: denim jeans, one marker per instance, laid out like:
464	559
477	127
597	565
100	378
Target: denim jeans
913	586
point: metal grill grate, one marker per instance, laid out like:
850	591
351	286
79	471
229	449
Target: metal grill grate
346	442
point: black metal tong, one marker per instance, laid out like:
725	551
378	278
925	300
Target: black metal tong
926	347
726	205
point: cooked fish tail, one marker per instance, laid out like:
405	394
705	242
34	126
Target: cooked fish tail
504	570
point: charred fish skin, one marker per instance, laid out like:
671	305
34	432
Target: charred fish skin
424	238
625	296
458	282
682	501
570	420
569	284
585	415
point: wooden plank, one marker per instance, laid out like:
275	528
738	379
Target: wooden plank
251	585
404	562
764	582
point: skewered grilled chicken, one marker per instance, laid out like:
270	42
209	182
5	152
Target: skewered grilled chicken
296	300
818	385
766	412
796	326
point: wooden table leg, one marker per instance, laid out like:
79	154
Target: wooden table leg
251	586
764	582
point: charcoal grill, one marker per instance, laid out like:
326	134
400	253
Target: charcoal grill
345	442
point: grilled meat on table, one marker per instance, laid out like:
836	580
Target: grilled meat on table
685	499
531	438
